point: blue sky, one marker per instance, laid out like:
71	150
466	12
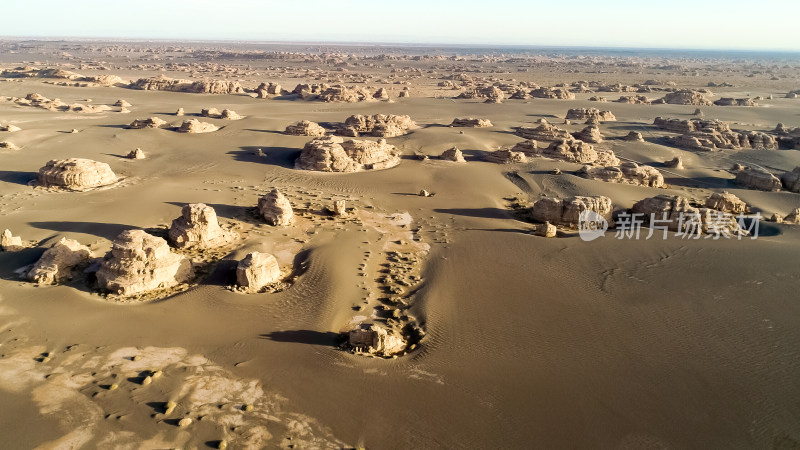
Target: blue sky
703	24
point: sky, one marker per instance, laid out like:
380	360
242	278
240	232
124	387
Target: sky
697	24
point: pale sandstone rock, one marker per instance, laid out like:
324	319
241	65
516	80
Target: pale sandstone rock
152	122
791	180
567	212
9	242
586	113
256	271
195	126
675	163
381	94
162	83
726	202
590	134
543	132
339	208
345	94
546	230
376	340
334	154
136	153
728	101
197	228
180	112
10	128
686	97
569	150
230	114
757	178
677	214
76	174
57	262
139	262
634	136
552	93
453	154
793	218
210	112
122	104
379	125
471	122
305	128
625	173
506	156
275	208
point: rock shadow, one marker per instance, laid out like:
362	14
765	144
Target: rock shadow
311	337
18	177
278	156
485	213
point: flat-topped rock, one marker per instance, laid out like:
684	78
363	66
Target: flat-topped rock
586	113
453	154
305	128
150	122
76	174
196	126
471	122
376	340
726	202
567	212
9	242
334	154
626	173
757	178
378	125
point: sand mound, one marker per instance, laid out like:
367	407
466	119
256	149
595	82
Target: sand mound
625	173
305	128
76	174
453	154
197	228
162	83
375	340
757	178
195	126
471	123
9	242
151	122
567	212
378	125
275	208
256	271
334	154
138	263
57	262
585	113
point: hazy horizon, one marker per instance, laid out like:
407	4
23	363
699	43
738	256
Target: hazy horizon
684	25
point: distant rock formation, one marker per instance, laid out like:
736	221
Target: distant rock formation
471	122
275	208
152	122
381	94
726	202
8	145
506	156
569	150
567	212
634	136
162	83
791	180
625	173
712	135
453	154
305	128
590	134
378	125
40	101
552	93
214	113
345	94
634	100
686	97
376	340
585	113
56	263
676	213
139	263
256	271
195	126
334	154
76	174
543	132
757	178
9	242
197	228
728	101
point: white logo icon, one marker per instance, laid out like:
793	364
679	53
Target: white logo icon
591	225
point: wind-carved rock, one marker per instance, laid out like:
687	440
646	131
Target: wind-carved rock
76	174
586	113
757	178
376	340
567	212
198	228
57	262
334	154
305	128
256	271
195	126
471	122
626	173
276	209
9	242
453	154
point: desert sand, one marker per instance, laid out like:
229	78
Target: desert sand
345	247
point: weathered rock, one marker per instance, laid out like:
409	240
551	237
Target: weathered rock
791	180
339	208
275	208
712	140
793	218
180	112
590	134
546	230
687	126
625	173
376	340
334	154
567	212
728	101
10	128
345	94
634	100
195	126
471	122
554	93
493	94
586	113
686	97
506	156
726	202
152	122
139	263
230	114
122	104
675	163
543	132
305	128
56	263
634	136
379	125
162	83
757	178
569	150
256	271
381	94
76	174
198	228
453	154
675	213
9	242
8	145
136	153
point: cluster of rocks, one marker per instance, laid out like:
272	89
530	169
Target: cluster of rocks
729	101
345	94
264	90
676	213
567	212
56	73
569	150
139	263
727	202
712	135
633	100
376	340
625	173
150	122
196	126
552	93
334	154
378	125
76	174
492	94
163	83
586	113
471	122
40	101
216	114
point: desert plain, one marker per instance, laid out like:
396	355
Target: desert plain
406	268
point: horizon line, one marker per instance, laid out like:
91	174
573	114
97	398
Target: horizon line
392	43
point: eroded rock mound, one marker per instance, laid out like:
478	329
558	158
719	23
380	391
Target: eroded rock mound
57	262
506	156
569	150
9	242
198	228
139	263
791	180
136	153
712	135
453	154
567	212
276	209
376	340
378	125
76	174
345	94
334	154
543	132
634	136
686	97
256	271
590	134
195	126
162	83
8	145
471	122
626	173
585	113
757	178
728	101
676	213
305	128
151	122
10	128
726	202
552	93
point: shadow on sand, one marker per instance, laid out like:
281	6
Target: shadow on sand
278	156
326	338
17	177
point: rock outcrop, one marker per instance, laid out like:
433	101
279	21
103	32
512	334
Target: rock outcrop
791	180
305	128
543	132
569	150
195	126
9	128
728	101
198	228
686	97
76	174
590	134
136	153
586	113
139	263
256	271
675	213
712	135
376	340
567	212
345	94
726	202
506	156
334	154
634	136
453	154
276	209
151	122
471	122
8	145
757	178
9	242
552	93
378	125
162	83
625	173
56	263
674	163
